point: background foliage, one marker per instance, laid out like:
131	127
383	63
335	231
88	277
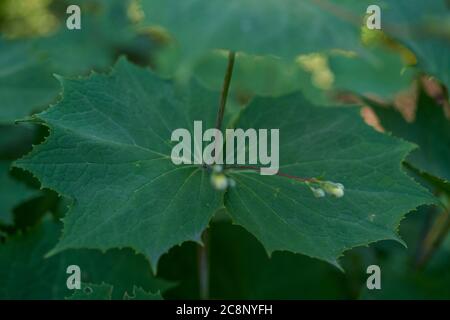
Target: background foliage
100	162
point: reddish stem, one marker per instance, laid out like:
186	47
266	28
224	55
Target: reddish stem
255	168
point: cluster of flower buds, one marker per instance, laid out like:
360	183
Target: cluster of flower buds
321	188
219	180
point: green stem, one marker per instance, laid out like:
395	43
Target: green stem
203	267
225	89
203	254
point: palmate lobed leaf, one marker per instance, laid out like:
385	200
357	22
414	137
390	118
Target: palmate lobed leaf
109	149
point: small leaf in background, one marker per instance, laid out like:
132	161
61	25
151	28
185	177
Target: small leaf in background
430	130
382	75
423	26
26	81
105	27
25	272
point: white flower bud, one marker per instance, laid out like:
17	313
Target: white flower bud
318	192
335	189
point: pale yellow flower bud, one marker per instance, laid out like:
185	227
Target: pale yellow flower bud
219	181
335	189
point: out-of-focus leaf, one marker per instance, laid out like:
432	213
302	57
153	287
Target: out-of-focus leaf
430	130
12	193
16	140
284	28
104	27
25	273
401	279
424	27
241	269
252	75
26	81
382	74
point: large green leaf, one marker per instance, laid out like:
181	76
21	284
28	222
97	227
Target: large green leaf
12	193
336	144
25	273
26	81
430	130
110	149
284	28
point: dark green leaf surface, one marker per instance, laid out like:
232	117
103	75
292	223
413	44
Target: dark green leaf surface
26	274
241	269
333	143
12	193
16	140
401	278
116	164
